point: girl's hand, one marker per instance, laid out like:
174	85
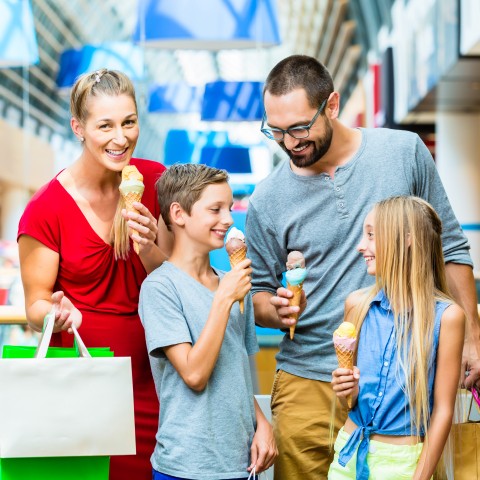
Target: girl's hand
264	449
345	382
66	314
237	282
281	302
143	227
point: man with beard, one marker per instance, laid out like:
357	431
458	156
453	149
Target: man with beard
316	203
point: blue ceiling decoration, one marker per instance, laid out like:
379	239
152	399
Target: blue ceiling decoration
175	98
123	56
18	42
207	24
232	101
232	158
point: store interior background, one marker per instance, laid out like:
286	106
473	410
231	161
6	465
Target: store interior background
199	68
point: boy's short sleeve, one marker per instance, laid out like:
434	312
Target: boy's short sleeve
161	313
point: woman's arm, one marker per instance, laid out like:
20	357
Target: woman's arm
449	359
195	363
39	270
264	449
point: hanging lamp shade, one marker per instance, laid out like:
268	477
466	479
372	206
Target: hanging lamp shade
232	158
175	98
232	101
207	24
123	56
18	42
186	146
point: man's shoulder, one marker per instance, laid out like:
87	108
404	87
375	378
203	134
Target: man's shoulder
390	135
271	184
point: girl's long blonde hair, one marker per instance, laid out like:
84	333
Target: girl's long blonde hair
410	269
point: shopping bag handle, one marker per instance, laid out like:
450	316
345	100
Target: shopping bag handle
49	323
253	474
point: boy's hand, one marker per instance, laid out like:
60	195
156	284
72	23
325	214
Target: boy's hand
264	449
237	282
345	382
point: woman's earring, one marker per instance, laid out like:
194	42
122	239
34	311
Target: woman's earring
82	139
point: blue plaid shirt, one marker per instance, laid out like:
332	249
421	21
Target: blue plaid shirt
382	406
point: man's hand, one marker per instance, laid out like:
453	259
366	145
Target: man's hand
281	302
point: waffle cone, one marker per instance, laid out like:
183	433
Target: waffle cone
236	257
295	302
345	360
129	198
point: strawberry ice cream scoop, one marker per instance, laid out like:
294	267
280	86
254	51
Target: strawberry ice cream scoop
295	259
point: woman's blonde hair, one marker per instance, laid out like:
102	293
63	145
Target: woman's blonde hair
104	82
410	269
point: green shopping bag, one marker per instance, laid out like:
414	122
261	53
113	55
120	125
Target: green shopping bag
62	372
55	468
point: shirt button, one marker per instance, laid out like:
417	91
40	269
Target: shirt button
380	394
385	364
337	189
341	204
327	178
372	448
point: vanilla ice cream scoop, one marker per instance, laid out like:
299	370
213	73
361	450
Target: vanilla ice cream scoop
132	181
346	329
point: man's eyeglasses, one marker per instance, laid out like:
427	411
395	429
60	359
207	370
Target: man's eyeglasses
302	131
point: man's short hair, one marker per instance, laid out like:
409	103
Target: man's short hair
300	72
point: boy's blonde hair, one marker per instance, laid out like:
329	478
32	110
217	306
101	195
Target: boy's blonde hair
104	83
410	269
184	184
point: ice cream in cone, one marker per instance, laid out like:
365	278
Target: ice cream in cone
131	188
344	340
237	251
295	276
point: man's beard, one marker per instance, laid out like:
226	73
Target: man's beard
304	161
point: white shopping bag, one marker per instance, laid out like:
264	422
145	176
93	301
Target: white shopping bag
56	407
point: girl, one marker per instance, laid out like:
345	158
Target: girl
408	353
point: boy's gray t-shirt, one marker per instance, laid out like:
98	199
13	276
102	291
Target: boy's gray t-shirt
202	435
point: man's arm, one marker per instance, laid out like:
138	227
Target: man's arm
462	287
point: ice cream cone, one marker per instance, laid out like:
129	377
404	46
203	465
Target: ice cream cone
129	198
131	188
236	257
345	360
295	302
344	340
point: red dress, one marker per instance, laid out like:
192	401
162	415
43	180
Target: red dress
106	291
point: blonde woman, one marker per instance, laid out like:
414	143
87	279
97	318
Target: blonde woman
76	254
409	350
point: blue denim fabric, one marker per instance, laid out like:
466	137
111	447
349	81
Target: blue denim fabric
162	476
382	406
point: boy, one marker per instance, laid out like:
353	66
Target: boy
211	427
